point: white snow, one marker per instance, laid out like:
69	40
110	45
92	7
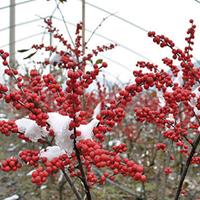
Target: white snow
179	79
58	122
161	98
193	101
30	173
61	177
14	197
51	152
55	58
30	129
170	117
114	142
42	187
87	130
60	125
97	110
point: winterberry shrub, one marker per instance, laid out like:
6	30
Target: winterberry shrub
71	133
63	120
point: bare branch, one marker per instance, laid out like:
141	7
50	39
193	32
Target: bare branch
98	26
63	19
118	185
186	167
71	185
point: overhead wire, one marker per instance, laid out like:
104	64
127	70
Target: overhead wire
117	16
99	35
16	4
125	20
22	39
117	63
112	60
110	40
20	24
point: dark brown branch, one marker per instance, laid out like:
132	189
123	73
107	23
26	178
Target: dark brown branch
195	144
80	166
71	185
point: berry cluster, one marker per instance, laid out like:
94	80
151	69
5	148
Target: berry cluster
4	56
94	154
37	95
161	146
30	157
7	127
167	170
10	164
41	174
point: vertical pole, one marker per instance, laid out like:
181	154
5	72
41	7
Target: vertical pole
50	36
50	44
83	31
12	33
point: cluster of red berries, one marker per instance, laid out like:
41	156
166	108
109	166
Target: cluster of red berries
33	95
30	157
94	154
161	146
4	56
173	67
41	174
161	40
196	160
7	127
168	170
10	164
148	65
151	116
3	89
120	148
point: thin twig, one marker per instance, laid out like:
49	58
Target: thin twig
71	185
63	19
98	26
118	185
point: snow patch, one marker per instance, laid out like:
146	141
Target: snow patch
97	110
30	129
30	173
114	142
14	197
51	152
60	125
87	130
161	99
